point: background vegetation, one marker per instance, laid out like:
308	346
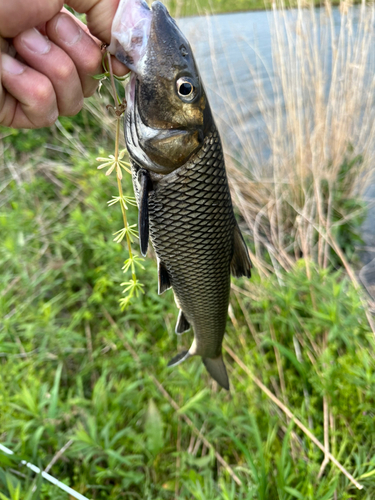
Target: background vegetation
84	389
191	7
179	8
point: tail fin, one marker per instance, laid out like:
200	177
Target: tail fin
180	358
216	368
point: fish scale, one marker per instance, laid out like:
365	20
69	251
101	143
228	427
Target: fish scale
191	229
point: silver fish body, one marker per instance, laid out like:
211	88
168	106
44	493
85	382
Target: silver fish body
181	187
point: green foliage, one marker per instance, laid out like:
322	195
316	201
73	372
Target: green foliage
348	213
66	373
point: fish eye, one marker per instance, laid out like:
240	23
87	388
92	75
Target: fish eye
185	89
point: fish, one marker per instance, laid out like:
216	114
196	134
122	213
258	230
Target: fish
179	178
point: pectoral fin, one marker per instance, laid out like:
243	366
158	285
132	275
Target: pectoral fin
183	324
164	283
143	223
241	263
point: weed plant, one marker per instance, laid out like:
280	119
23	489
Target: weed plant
85	392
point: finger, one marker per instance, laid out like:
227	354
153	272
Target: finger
47	58
81	48
17	15
119	69
99	15
27	99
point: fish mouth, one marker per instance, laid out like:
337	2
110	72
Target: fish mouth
134	25
158	150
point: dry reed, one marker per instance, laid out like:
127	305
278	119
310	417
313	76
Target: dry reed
319	133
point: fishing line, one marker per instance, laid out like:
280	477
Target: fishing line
46	476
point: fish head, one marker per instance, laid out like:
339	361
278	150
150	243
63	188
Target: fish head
168	114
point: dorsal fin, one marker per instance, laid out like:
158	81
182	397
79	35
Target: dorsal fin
241	263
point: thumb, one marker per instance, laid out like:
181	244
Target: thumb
99	13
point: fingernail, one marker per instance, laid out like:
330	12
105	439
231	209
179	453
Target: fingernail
35	41
68	30
53	117
11	65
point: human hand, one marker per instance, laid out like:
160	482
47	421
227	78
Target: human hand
48	58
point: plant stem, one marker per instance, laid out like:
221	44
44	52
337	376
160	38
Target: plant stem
122	204
117	141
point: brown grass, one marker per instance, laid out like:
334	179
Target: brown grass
319	119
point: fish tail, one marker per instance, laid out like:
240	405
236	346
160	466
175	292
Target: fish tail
216	368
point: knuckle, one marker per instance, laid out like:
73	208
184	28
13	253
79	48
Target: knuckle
43	109
64	72
44	93
92	65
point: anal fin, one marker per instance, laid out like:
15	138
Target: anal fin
179	358
164	283
183	324
143	222
241	263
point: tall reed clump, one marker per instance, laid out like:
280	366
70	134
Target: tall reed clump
303	200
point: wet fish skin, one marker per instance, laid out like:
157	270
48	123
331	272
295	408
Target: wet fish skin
181	188
193	229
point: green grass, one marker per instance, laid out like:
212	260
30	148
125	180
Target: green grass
191	7
68	370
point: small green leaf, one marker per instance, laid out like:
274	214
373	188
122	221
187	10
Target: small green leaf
154	428
367	474
194	401
55	393
134	261
102	76
294	493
